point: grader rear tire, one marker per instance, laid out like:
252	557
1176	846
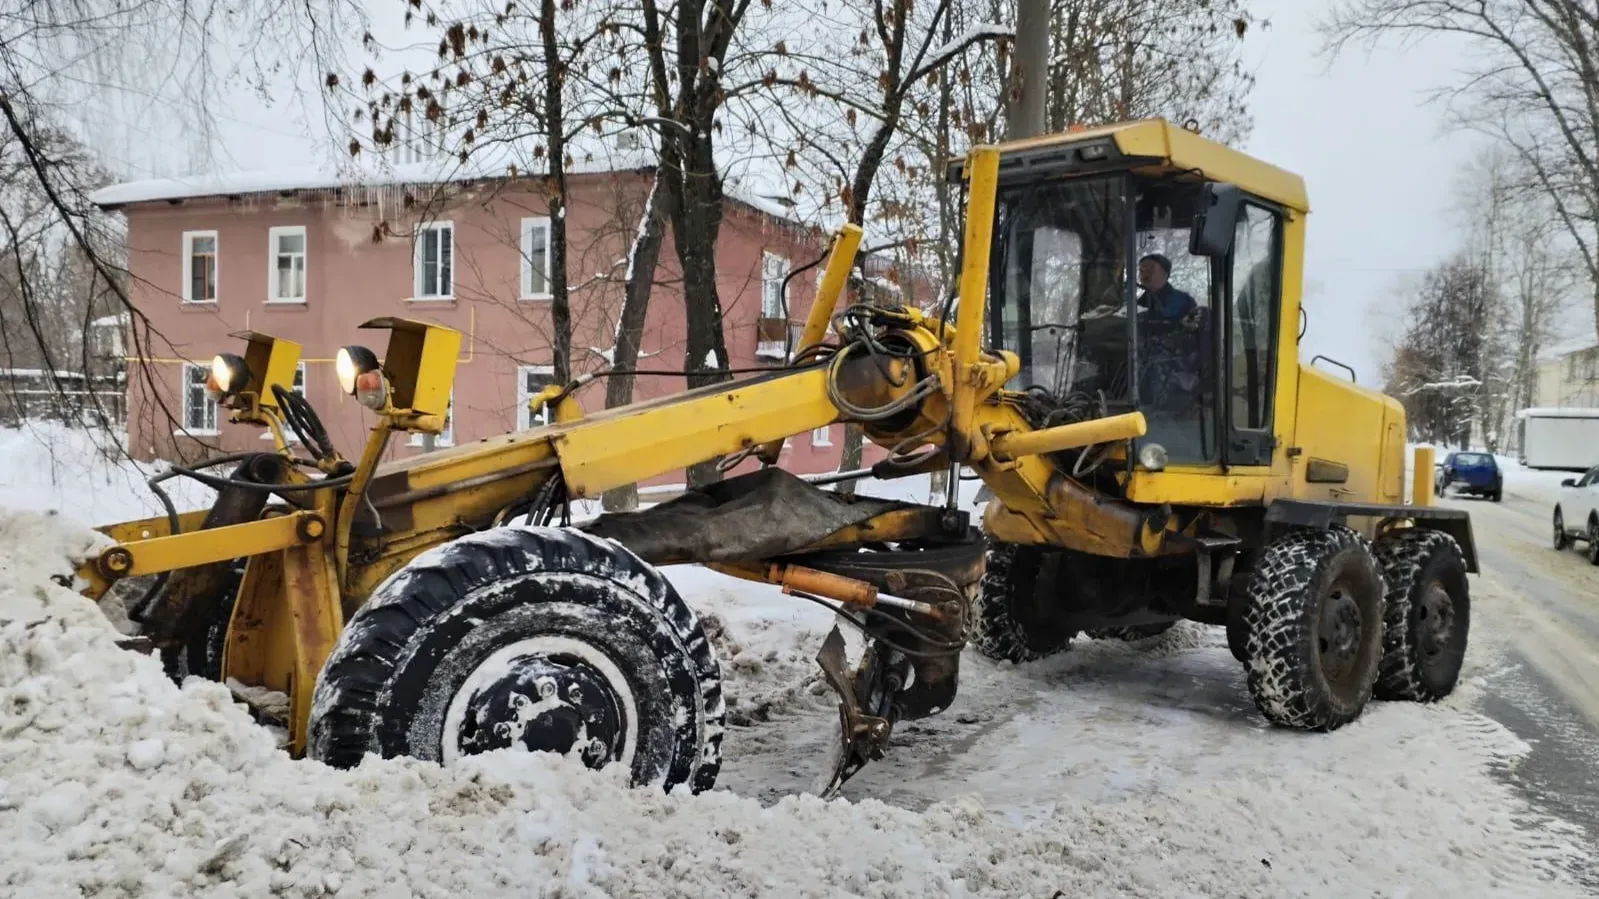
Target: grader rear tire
529	638
1008	620
1314	621
1428	615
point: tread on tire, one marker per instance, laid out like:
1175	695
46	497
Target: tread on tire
1425	631
453	625
1006	620
1290	627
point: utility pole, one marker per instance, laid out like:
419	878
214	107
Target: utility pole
1024	113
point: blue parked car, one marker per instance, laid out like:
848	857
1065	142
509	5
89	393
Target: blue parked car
1474	473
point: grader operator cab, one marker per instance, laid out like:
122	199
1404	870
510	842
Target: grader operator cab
1120	366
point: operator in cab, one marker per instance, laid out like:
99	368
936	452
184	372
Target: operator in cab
1164	302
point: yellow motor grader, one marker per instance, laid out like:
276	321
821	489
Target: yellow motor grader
1120	365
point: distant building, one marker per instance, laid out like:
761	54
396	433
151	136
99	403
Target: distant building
1568	373
308	256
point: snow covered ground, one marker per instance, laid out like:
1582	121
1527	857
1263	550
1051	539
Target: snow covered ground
1115	770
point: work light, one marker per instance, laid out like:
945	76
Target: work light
360	376
229	375
1152	456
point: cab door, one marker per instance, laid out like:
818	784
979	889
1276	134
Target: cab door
1253	298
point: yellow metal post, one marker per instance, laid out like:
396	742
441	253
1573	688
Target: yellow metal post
834	278
983	166
1421	477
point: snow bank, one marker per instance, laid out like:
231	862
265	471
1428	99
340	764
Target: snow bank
114	782
83	474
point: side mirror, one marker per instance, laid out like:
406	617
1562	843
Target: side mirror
1217	220
1569	482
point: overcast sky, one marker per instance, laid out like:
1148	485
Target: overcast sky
1379	166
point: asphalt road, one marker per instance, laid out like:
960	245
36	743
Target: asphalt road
1540	608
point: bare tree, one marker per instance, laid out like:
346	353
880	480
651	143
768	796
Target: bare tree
1519	241
1530	80
80	72
1441	367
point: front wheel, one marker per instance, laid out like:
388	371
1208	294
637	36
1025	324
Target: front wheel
539	639
1562	539
1314	624
1593	541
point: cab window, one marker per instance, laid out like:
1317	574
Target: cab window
1254	317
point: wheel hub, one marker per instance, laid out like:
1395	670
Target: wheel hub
1339	641
1435	616
548	694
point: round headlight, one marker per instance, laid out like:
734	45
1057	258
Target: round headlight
1152	456
352	362
229	374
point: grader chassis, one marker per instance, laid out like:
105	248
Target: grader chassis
1143	470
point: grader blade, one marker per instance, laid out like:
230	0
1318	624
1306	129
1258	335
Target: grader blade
863	737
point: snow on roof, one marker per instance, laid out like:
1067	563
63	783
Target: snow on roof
1559	412
1575	344
353	175
437	172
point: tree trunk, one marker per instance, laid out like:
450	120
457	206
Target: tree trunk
1024	114
555	191
696	225
641	262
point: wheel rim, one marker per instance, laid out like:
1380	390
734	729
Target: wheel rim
1338	640
545	693
1435	628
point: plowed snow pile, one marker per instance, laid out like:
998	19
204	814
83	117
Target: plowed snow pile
114	782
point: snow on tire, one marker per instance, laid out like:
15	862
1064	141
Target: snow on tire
531	638
1008	619
1314	628
1428	614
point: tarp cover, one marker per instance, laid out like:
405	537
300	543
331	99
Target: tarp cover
759	515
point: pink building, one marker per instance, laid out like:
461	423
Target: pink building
308	257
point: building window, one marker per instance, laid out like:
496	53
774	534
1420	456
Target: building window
199	410
822	436
530	379
298	387
435	261
447	436
199	266
773	270
286	255
536	258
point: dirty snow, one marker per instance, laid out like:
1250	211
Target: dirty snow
1114	770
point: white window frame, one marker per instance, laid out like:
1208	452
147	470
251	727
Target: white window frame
525	254
774	269
822	436
202	430
446	437
417	261
273	236
524	420
189	237
298	387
